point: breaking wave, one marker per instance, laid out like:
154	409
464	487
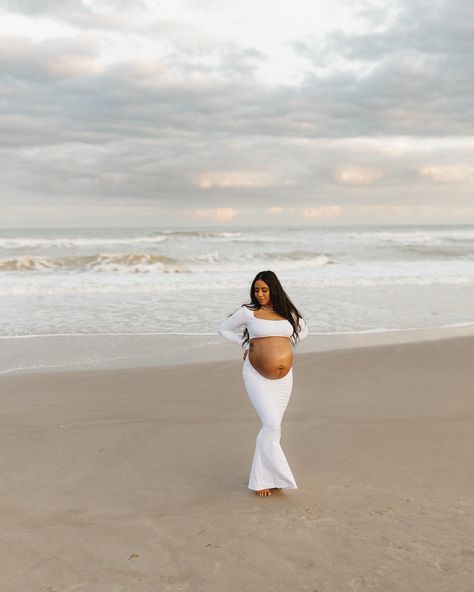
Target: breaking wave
156	263
202	233
76	242
122	263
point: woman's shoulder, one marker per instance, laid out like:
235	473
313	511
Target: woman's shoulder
245	310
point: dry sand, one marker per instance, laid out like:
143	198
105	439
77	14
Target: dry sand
136	480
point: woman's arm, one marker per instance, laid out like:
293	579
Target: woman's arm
304	329
226	328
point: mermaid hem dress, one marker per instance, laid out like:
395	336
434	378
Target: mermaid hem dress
269	397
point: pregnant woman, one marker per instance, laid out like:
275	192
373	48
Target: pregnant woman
272	326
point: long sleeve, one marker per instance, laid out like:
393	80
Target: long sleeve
304	329
226	328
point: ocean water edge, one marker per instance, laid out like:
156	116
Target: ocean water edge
173	286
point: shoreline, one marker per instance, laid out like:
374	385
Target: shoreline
56	353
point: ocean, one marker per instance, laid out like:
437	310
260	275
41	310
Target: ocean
181	281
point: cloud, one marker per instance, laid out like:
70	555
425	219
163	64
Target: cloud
353	175
448	173
315	213
415	76
115	14
226	179
167	111
381	83
41	64
322	213
216	214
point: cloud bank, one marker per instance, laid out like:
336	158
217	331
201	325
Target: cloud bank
128	109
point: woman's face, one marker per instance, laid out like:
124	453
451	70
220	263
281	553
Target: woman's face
262	293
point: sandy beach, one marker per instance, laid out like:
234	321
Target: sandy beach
136	479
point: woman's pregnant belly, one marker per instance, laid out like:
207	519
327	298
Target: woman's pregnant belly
272	357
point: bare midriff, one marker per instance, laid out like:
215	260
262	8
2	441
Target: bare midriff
272	357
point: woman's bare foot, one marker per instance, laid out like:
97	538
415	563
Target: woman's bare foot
263	492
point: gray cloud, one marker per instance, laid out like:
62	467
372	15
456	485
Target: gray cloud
46	7
416	77
116	16
174	128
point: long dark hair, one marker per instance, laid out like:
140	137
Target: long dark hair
280	302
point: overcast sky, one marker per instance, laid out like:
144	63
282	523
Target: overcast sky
205	112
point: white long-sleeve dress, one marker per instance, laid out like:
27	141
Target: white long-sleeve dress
269	397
